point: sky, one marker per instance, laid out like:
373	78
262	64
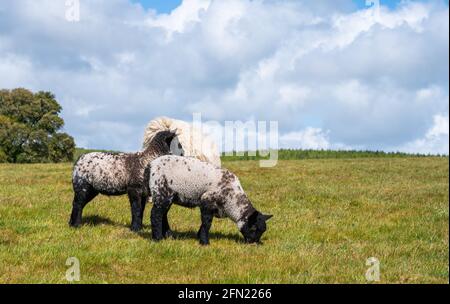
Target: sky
166	6
333	74
161	6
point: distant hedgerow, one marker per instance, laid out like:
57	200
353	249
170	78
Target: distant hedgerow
287	154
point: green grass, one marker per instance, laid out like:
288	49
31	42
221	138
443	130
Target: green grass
330	215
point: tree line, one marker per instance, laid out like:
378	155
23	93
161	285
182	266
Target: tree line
291	154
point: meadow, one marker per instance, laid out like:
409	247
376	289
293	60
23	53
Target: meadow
330	216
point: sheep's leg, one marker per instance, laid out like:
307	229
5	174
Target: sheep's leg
144	200
158	214
83	195
135	196
156	219
167	232
207	217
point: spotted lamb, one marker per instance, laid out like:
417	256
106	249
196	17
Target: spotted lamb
117	174
189	182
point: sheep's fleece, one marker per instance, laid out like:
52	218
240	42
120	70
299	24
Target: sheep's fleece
203	147
117	174
106	172
192	182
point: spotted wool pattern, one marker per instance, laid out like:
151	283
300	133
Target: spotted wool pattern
111	173
117	174
190	182
105	172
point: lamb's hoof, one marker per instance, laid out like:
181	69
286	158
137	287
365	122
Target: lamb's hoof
74	224
204	243
169	234
156	238
136	228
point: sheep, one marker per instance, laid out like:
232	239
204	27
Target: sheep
191	141
189	182
117	174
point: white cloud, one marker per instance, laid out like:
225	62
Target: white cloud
180	17
294	95
435	140
13	70
310	138
371	83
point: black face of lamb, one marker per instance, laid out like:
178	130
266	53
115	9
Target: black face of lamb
255	226
160	144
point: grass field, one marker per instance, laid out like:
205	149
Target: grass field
330	215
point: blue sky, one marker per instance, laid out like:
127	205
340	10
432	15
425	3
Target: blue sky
389	3
166	6
333	76
161	6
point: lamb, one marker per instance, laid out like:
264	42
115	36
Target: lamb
117	174
189	182
190	141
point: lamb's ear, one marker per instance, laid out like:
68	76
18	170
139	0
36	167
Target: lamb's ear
267	216
169	138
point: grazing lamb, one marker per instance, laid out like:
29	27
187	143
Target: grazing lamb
189	182
117	174
187	136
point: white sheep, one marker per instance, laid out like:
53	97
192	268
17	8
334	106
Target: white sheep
191	141
189	182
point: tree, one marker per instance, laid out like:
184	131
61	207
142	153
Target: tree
29	128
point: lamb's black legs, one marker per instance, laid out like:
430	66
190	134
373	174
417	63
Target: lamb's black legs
144	201
156	219
83	195
167	233
207	217
137	201
160	224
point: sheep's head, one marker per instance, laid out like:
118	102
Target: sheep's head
255	226
161	142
